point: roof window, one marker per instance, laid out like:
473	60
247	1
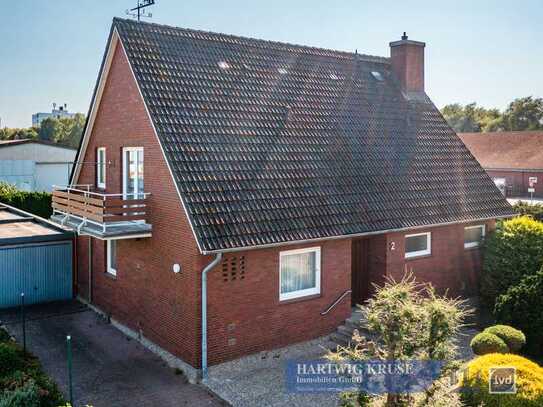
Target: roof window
224	65
282	71
378	76
334	76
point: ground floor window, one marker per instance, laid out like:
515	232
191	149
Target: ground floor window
299	273
419	244
112	257
473	235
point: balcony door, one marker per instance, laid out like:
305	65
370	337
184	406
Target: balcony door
133	173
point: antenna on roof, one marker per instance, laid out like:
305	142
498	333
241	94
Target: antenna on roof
139	11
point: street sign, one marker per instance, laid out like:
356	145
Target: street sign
531	190
532	180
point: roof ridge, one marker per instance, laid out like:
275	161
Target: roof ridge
282	46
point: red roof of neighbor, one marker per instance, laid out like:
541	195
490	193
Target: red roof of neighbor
519	150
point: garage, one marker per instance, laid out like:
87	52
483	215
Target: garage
36	258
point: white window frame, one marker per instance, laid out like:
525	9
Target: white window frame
418	253
475	244
308	291
125	175
109	268
100	167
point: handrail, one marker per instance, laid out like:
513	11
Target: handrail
68	189
336	302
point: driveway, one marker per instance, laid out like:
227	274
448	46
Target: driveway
109	369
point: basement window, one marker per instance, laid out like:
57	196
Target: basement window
473	236
299	273
112	257
377	76
419	244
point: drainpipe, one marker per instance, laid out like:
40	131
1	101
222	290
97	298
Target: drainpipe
216	261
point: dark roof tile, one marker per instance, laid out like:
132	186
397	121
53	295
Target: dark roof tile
272	142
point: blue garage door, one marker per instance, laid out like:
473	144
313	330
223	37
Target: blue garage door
42	271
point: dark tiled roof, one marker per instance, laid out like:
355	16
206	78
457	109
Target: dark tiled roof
516	150
273	142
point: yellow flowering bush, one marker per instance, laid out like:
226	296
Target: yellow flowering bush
529	382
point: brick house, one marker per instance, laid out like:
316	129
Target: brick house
234	195
511	158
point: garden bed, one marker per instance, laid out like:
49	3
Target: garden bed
22	380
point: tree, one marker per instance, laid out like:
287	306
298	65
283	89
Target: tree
409	321
524	114
49	129
72	130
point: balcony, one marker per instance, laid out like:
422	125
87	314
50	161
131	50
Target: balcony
104	216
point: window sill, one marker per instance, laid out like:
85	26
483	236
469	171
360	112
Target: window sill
299	299
111	276
472	247
420	256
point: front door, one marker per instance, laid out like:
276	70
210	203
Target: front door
360	278
133	173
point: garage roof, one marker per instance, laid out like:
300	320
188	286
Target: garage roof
17	226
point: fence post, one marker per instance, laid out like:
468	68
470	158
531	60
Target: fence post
23	320
69	351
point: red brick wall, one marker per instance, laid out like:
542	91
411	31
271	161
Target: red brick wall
408	65
246	316
146	295
518	182
449	267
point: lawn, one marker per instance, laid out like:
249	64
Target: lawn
22	380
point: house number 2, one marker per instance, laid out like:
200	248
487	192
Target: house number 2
392	246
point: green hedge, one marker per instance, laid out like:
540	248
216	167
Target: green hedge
485	342
524	208
513	252
521	306
38	203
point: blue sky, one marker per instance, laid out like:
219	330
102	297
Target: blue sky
484	51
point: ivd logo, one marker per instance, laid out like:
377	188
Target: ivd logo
501	380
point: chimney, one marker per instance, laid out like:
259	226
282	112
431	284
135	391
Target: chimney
407	59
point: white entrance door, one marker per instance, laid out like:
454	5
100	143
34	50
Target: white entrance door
133	173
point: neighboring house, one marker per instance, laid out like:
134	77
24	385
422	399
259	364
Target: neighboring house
34	165
262	187
60	113
513	159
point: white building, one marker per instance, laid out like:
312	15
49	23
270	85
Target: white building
59	113
34	165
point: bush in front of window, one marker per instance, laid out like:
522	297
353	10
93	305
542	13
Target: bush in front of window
512	252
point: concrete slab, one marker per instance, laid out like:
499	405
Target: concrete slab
109	369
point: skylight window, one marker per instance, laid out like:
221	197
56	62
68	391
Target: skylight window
378	76
334	76
282	71
224	65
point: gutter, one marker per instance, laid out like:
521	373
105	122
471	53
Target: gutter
353	235
207	268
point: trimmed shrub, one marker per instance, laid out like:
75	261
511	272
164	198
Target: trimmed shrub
513	338
512	252
521	307
529	382
533	210
484	343
37	203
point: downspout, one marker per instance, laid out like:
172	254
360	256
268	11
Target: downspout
216	261
90	270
